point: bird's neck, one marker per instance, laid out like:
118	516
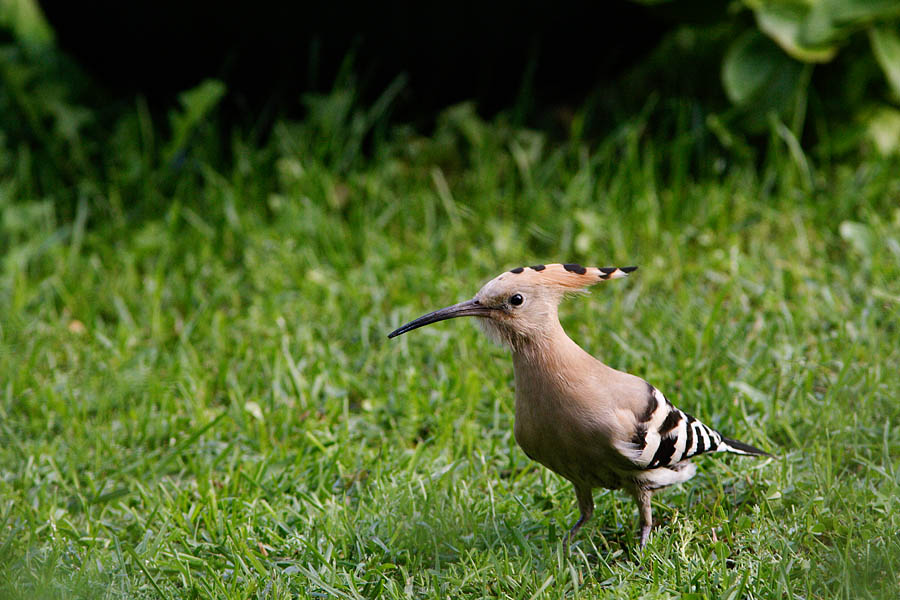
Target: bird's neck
552	354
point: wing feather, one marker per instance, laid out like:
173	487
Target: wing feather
664	436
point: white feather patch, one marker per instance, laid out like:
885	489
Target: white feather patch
663	476
680	441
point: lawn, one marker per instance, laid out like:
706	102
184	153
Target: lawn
198	398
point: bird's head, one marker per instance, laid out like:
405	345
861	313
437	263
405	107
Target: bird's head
520	305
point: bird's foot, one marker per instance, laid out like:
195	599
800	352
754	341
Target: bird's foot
573	531
645	535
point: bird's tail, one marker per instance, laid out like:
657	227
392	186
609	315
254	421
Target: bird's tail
736	447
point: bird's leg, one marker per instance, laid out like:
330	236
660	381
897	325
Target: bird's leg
642	498
586	506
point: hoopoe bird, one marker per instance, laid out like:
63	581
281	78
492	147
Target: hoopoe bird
591	424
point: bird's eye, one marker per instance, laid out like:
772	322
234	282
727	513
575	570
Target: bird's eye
516	299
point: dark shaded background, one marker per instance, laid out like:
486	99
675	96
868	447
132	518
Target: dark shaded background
268	51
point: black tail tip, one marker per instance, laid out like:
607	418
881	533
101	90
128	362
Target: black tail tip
747	448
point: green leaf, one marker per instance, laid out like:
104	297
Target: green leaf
748	65
848	12
786	23
197	103
25	20
762	80
199	100
883	129
886	47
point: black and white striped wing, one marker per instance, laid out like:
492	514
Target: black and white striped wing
666	436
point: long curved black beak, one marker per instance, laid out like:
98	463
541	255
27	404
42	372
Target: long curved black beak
469	308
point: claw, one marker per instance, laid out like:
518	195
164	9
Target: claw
645	535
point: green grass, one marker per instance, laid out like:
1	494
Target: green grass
198	398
